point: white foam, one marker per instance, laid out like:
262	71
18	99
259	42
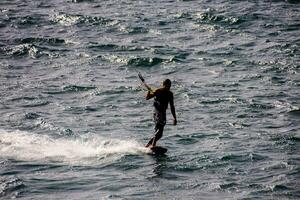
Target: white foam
23	145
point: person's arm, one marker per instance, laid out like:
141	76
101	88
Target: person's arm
173	110
147	86
149	95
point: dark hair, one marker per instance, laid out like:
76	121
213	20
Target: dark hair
167	82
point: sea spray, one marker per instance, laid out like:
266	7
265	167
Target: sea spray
22	145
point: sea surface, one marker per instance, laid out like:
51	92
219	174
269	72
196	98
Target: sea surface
73	114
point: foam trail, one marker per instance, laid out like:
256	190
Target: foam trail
27	146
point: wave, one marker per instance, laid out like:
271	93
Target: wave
133	29
147	61
30	50
52	89
115	47
22	21
21	50
295	111
77	88
10	187
88	149
162	54
209	16
242	157
37	40
136	61
69	20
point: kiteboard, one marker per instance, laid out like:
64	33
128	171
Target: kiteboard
158	150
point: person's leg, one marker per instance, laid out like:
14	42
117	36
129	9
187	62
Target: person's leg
158	134
150	142
160	121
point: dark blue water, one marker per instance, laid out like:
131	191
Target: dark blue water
74	121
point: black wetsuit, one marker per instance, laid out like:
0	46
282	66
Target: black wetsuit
162	98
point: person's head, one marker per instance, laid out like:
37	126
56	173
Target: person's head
167	83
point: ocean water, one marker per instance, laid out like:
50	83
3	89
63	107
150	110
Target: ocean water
74	121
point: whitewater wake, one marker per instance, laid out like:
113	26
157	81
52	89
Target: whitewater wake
26	146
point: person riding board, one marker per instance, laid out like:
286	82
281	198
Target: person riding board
162	97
